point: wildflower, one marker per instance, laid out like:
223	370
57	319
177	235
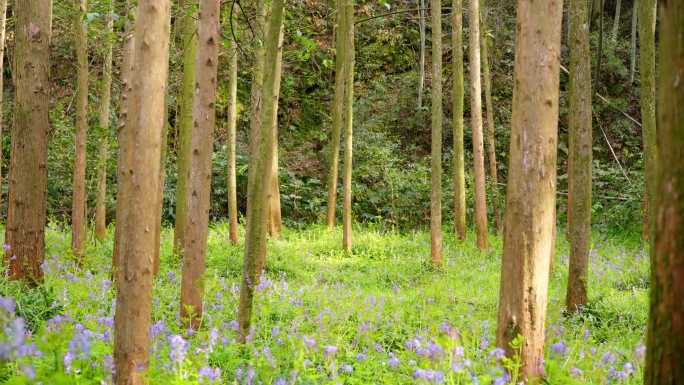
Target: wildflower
640	352
360	357
608	358
497	354
7	304
208	373
330	350
178	349
501	380
559	349
280	381
393	361
309	342
628	368
576	372
29	371
67	360
346	368
433	376
459	352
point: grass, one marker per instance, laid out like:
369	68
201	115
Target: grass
380	315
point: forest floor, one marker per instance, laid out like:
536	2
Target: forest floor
379	316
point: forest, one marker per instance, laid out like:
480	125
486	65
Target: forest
299	192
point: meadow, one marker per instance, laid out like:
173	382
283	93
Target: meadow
381	315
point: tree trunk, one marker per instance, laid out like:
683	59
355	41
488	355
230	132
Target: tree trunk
476	124
78	203
202	146
421	60
105	99
616	20
232	135
25	230
260	175
633	44
124	135
188	28
275	222
436	155
159	205
146	109
579	163
337	115
457	101
491	137
531	190
647	16
348	122
665	341
3	22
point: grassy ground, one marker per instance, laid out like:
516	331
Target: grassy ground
379	316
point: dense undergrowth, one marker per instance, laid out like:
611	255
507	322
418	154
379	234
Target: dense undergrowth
379	316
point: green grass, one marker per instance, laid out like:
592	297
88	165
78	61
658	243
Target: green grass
369	304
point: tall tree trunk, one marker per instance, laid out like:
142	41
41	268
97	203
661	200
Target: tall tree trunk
337	115
105	100
124	135
146	109
275	222
665	341
202	146
491	137
633	44
579	163
531	189
78	203
25	230
476	124
232	137
260	175
3	22
436	155
159	205
616	21
421	60
188	28
599	54
647	18
457	101
348	122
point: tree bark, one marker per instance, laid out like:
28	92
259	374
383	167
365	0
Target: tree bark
78	203
647	16
491	137
616	20
145	123
105	100
232	135
633	44
3	22
348	122
337	115
275	222
665	341
531	189
436	154
260	175
26	213
457	101
421	60
202	145
580	157
476	124
188	28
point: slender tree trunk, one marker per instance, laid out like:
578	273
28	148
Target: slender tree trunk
202	146
337	115
579	163
3	20
25	230
105	100
275	222
436	155
260	175
159	205
665	341
531	190
633	43
78	204
348	122
457	101
616	20
647	17
146	109
491	137
124	135
421	62
188	40
599	54
232	135
476	123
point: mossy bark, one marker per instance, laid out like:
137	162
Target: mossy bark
145	124
436	151
665	341
26	213
348	123
457	120
275	221
531	189
3	23
580	157
232	138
